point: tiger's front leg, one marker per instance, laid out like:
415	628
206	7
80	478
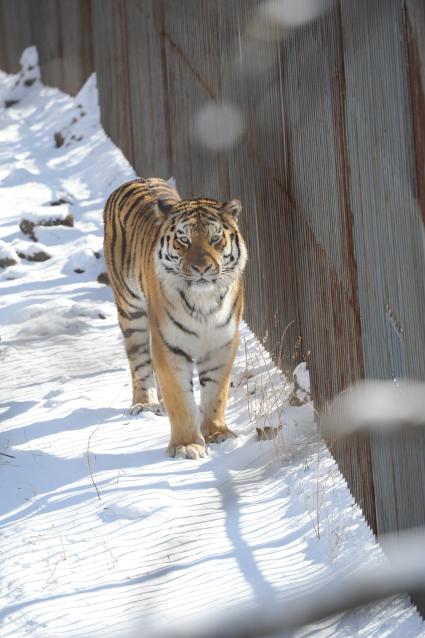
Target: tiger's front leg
215	377
174	371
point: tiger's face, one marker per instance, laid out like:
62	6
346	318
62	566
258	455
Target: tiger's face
201	242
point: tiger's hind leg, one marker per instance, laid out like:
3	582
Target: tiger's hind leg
135	329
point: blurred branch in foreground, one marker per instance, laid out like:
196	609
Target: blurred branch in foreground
404	571
375	406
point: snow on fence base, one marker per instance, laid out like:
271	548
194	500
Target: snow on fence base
99	528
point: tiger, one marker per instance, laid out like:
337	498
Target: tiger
175	267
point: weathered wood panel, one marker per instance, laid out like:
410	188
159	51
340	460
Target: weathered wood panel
313	98
112	68
149	95
388	238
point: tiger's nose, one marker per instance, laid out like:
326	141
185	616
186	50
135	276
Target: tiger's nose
202	269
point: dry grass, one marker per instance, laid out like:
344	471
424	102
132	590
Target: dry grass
269	392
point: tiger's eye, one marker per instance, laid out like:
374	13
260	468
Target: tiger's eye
184	241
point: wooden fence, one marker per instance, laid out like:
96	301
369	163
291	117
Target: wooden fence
330	169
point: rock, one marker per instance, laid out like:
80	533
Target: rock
44	216
103	279
59	139
5	262
38	256
8	256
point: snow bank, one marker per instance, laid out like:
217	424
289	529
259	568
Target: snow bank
28	77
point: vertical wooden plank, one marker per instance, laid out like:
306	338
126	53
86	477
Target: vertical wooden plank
3	30
15	32
149	116
75	29
259	174
44	20
112	68
197	170
415	37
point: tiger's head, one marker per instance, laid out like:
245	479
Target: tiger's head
201	242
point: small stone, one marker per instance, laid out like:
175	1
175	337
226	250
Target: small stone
268	433
27	226
38	256
6	262
59	139
103	279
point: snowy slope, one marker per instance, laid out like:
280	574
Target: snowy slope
99	528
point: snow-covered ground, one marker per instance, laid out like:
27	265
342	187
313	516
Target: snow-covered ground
101	532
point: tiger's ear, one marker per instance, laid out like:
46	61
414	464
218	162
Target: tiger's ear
234	208
164	207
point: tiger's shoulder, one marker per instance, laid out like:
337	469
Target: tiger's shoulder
139	195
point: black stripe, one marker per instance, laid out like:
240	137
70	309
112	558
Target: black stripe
168	269
205	380
189	307
201	373
134	205
175	349
136	348
122	313
133	315
181	327
231	313
208	355
239	250
219	304
130	331
138	314
126	195
143	365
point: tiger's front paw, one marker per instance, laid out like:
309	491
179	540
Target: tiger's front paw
156	408
189	451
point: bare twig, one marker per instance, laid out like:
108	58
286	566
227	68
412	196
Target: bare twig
89	463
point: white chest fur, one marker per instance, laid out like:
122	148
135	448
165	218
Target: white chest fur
200	319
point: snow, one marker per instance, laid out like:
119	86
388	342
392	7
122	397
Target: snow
302	377
28	249
100	530
7	252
